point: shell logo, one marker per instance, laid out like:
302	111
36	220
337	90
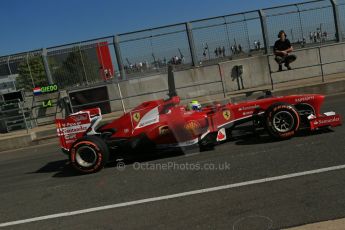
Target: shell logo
193	127
164	130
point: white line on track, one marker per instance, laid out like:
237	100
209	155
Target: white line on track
172	196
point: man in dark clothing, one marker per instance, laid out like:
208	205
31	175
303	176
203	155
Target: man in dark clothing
282	49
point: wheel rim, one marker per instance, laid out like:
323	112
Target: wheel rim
283	121
86	156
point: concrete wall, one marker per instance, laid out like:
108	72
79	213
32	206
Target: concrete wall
332	54
255	73
197	82
202	83
208	83
114	97
149	86
296	74
192	83
305	57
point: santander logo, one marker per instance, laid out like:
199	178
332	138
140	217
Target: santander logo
326	121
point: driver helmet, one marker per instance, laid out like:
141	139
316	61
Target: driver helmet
194	105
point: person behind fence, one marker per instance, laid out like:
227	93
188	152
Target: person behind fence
282	49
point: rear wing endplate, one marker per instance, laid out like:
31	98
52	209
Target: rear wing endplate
77	125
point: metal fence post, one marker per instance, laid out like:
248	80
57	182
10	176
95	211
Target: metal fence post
191	44
8	65
337	21
116	39
270	71
300	21
222	79
121	98
264	30
29	68
83	64
321	64
46	66
227	36
21	107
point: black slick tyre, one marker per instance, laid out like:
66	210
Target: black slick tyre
89	154
282	121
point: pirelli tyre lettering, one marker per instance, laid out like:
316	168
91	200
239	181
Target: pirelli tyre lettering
89	154
282	121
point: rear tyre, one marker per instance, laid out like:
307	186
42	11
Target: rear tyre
282	121
89	154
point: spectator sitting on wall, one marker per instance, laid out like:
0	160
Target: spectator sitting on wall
282	48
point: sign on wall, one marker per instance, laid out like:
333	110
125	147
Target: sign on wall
45	89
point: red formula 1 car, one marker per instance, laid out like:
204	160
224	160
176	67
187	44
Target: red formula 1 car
167	124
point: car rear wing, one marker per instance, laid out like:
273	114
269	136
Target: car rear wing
77	125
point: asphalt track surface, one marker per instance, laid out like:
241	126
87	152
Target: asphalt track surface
37	182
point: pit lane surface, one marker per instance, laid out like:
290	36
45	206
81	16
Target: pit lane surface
36	182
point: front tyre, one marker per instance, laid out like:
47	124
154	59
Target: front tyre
282	121
89	154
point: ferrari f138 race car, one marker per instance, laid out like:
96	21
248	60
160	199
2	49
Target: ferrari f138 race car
167	124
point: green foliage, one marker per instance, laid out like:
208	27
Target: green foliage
31	74
78	67
74	69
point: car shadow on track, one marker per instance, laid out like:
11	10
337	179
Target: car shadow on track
62	168
264	138
152	156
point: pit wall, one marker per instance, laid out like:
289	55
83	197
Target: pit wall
207	83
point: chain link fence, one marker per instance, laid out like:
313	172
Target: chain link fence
83	63
150	51
341	8
227	36
28	69
305	23
200	42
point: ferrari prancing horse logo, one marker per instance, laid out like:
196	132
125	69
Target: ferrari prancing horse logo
136	117
226	114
